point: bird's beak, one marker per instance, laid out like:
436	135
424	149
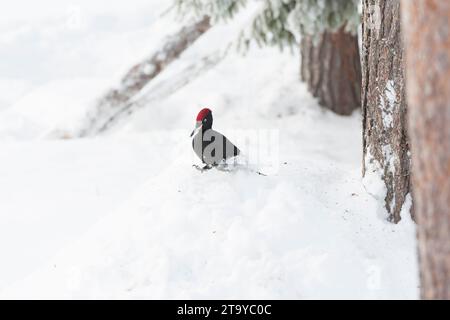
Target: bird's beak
198	126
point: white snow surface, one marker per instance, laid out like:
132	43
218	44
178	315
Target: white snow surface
124	215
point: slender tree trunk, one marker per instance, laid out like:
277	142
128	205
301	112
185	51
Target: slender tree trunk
332	70
384	108
427	35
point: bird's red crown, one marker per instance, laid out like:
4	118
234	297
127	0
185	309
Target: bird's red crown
202	114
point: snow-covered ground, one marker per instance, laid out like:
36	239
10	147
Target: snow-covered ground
124	215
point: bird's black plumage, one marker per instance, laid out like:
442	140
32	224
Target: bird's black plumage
211	146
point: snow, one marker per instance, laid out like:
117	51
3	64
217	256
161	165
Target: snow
53	191
373	181
11	89
53	107
124	215
388	108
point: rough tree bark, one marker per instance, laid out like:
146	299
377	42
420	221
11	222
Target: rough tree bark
332	70
427	43
384	108
116	101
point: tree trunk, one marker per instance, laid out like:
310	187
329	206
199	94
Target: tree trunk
384	108
332	70
426	25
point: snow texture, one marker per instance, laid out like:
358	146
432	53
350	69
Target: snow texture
124	215
388	107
